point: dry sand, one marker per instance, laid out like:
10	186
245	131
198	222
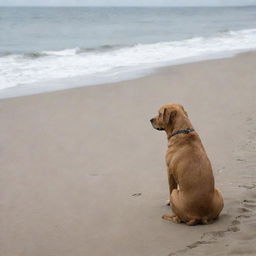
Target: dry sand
83	172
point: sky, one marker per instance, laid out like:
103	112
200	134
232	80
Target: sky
126	2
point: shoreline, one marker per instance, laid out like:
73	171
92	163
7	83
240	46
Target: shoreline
83	172
125	75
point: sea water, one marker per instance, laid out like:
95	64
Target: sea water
46	49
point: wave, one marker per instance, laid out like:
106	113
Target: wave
38	67
102	48
66	52
25	55
3	54
35	55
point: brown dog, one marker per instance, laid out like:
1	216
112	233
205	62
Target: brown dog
196	200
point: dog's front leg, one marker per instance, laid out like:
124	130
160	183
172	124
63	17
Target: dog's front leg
172	185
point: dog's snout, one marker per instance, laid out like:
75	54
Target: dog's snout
151	120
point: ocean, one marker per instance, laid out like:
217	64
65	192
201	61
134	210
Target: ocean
47	49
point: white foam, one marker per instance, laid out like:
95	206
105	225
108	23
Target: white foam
19	70
66	52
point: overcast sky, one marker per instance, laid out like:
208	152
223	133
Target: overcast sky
125	2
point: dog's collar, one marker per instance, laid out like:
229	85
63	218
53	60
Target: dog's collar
183	132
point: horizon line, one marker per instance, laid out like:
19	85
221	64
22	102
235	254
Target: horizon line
132	6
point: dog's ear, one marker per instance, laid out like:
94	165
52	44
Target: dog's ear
185	112
169	115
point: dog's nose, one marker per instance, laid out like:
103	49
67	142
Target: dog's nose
151	120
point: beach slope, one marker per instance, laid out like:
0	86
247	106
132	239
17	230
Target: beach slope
83	171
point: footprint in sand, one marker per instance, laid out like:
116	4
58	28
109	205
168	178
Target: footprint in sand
247	207
137	194
246	238
194	245
241	229
247	186
233	227
240	160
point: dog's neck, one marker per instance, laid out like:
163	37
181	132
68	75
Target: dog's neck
178	125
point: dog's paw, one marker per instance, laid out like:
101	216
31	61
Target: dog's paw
173	218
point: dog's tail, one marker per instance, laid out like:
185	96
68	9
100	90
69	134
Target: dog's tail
206	221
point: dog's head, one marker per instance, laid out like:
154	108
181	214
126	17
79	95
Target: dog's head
167	116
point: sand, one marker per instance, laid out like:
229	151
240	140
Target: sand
83	171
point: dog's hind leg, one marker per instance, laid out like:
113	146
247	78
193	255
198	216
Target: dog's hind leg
192	222
174	202
218	204
177	205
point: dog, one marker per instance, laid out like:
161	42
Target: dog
193	196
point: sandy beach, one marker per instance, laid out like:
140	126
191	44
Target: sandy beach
83	171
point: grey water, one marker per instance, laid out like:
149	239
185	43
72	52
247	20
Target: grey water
33	29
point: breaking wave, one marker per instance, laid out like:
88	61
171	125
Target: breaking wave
38	67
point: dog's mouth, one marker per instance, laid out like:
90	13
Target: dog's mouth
154	125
